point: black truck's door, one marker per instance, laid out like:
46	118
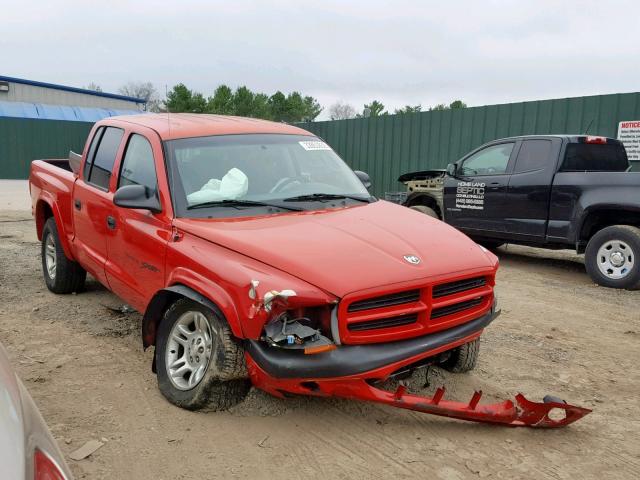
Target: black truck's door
526	208
475	200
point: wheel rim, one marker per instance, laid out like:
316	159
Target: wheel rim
50	256
189	350
615	259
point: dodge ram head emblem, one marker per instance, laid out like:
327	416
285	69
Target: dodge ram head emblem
412	259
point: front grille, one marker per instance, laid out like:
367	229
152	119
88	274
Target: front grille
383	323
458	286
399	298
455	308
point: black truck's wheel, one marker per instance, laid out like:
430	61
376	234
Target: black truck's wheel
60	274
612	257
488	244
424	209
463	358
199	363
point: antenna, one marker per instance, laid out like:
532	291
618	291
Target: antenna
166	97
589	126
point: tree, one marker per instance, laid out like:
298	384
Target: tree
341	111
243	102
181	99
143	90
409	109
373	109
457	104
93	86
221	102
312	109
278	106
452	106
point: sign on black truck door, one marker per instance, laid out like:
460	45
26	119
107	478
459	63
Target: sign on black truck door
475	199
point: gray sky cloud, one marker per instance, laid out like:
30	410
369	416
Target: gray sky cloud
399	52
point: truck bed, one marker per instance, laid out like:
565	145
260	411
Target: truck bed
51	185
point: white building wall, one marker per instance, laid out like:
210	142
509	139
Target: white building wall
20	92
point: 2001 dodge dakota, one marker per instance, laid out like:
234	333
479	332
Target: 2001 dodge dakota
255	253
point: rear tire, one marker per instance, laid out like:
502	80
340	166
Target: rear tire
426	210
612	257
463	358
182	345
61	274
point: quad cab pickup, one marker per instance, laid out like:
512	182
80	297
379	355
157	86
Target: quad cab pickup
556	191
257	256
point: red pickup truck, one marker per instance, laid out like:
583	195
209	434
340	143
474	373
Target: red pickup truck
257	256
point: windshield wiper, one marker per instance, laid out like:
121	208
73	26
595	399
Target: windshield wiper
325	196
241	203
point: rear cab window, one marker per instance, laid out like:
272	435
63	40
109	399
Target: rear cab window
595	157
105	156
534	155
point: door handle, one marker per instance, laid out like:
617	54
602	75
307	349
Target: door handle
494	185
111	222
77	203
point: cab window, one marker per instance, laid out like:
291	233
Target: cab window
105	157
138	166
533	155
492	160
91	153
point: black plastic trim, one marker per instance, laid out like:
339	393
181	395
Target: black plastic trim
400	298
450	288
355	359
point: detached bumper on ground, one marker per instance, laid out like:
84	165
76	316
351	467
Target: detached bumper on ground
351	371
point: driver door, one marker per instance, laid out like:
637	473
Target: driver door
474	202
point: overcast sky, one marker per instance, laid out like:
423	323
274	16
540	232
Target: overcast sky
399	52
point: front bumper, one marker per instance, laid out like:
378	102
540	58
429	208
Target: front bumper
350	360
350	370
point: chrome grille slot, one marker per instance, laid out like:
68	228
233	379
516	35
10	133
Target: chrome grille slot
383	323
458	286
390	300
455	308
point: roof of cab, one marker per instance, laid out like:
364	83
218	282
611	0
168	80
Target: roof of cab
183	125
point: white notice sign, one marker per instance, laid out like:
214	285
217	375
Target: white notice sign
629	135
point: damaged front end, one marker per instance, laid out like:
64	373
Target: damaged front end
299	354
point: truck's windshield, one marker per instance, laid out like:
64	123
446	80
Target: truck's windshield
593	157
268	168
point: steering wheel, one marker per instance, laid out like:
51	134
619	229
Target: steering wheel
283	182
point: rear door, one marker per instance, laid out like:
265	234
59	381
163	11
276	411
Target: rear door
475	200
93	200
526	207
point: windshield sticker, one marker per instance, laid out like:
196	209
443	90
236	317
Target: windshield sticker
314	145
470	195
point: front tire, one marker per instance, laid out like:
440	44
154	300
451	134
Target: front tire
61	274
463	358
424	209
612	257
200	365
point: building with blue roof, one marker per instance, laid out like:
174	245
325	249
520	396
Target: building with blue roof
46	120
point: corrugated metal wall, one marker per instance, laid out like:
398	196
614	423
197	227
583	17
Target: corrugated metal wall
23	140
390	145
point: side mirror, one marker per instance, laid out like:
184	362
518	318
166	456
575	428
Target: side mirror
137	196
364	178
452	170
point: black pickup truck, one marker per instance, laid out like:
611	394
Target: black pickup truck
552	191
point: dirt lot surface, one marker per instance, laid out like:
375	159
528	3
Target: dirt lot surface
559	333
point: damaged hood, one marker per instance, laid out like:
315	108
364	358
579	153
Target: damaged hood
349	249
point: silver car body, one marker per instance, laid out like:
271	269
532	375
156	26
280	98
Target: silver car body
22	429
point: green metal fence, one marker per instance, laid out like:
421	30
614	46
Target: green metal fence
390	145
23	140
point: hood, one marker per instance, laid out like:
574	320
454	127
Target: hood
349	249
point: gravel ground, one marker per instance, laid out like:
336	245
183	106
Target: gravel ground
559	333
